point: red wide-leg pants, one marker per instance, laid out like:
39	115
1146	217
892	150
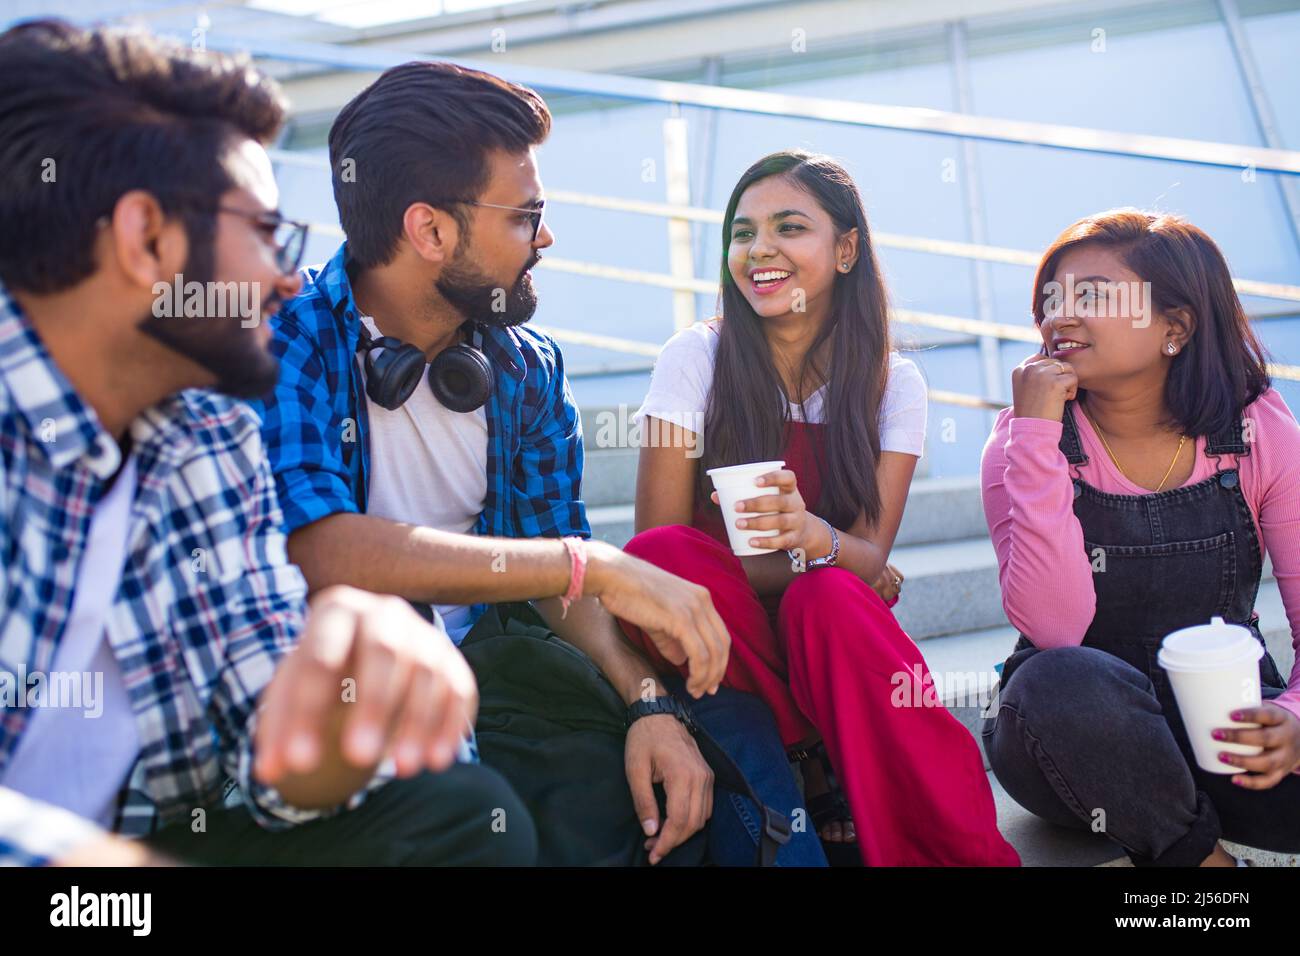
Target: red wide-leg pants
839	666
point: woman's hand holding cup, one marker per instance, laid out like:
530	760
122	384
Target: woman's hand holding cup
796	527
1278	735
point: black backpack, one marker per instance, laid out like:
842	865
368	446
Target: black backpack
554	727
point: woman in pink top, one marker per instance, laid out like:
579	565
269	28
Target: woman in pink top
800	368
1130	491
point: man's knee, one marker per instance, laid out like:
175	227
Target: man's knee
467	815
510	834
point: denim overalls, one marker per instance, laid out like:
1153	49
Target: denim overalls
1171	559
1161	561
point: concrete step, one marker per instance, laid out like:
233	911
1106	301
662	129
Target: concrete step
609	477
1041	843
938	509
951	587
608	428
942	509
612	523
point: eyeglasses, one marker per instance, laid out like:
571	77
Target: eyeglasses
288	236
534	212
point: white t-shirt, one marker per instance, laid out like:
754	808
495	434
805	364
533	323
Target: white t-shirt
79	757
428	466
679	389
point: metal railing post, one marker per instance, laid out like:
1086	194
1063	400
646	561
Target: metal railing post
1260	105
990	346
677	179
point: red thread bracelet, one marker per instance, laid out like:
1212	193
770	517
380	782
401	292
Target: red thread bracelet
577	548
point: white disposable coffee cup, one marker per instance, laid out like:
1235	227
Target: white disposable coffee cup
1214	670
736	483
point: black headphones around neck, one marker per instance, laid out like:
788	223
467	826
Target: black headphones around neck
460	376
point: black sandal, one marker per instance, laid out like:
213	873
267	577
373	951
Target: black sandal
829	807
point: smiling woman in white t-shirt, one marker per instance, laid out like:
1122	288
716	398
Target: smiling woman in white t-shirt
799	368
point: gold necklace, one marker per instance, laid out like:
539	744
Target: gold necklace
1105	444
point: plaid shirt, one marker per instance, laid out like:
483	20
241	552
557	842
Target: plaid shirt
207	606
316	429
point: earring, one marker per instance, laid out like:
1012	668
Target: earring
1171	348
844	267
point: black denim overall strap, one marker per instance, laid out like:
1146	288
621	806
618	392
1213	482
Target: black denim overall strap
1165	560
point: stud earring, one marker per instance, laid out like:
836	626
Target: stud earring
844	267
1171	348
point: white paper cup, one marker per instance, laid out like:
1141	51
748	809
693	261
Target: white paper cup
1214	670
736	483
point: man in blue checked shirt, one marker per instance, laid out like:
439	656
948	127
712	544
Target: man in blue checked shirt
426	443
162	672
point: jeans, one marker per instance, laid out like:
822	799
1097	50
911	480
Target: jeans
1079	737
744	727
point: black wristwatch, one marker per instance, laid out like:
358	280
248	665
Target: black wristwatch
667	704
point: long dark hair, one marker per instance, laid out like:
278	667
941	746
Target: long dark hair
746	413
1222	368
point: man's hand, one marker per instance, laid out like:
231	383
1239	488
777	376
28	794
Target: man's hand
1279	735
414	697
676	614
660	750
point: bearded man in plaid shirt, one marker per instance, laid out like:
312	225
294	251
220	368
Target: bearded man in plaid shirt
144	559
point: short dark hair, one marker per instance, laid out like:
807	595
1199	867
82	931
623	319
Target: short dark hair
107	111
420	133
1223	367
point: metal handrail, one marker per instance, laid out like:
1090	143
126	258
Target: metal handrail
938	247
893	240
847	112
933	320
961	125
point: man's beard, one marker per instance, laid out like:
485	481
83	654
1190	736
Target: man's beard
244	367
479	299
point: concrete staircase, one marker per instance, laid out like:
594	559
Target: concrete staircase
951	607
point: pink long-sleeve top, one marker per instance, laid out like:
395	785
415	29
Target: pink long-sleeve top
1045	574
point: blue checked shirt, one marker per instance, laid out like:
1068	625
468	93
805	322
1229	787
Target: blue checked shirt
317	434
207	606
